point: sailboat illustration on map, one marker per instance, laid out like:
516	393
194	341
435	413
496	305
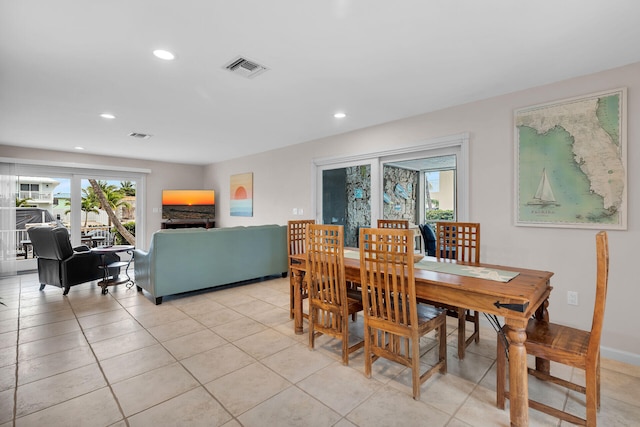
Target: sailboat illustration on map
544	194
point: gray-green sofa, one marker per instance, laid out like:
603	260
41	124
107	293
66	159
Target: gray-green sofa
183	260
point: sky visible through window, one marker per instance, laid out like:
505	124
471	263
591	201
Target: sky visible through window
433	178
65	185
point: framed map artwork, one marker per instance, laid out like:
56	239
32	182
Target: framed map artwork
571	163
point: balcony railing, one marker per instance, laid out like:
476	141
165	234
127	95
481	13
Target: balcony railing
22	248
36	196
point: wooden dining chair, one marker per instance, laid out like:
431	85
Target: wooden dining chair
330	304
402	224
567	346
393	320
459	241
296	239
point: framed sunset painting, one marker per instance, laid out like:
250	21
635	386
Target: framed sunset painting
241	194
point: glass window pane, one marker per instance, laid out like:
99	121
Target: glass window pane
97	227
440	195
346	200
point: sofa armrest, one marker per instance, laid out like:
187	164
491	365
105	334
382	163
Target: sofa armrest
142	269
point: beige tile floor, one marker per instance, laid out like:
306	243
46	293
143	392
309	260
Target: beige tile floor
230	358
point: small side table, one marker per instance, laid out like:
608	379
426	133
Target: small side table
107	278
25	246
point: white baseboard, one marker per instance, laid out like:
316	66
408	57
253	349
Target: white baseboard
620	356
605	352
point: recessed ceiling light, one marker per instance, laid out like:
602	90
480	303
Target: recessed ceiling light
79	148
107	116
164	54
339	115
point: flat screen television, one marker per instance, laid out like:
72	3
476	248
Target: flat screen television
188	204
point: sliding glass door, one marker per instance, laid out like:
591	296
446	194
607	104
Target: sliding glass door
98	226
346	200
422	190
421	184
63	196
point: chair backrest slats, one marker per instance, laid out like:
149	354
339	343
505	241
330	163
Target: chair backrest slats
296	232
325	264
388	293
458	240
402	224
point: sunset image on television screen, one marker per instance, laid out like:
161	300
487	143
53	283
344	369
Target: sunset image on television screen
188	197
188	204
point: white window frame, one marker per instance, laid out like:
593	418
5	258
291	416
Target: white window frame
454	144
77	172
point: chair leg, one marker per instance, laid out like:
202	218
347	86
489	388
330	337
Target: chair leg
442	349
501	373
292	287
598	382
462	321
42	285
291	291
66	290
591	385
312	320
367	350
345	339
415	366
476	325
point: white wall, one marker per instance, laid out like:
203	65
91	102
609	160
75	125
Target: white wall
283	180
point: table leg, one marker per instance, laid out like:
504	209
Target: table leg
297	301
25	247
518	380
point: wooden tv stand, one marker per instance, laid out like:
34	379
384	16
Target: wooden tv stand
187	223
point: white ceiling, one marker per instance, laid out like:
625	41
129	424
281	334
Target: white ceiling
64	62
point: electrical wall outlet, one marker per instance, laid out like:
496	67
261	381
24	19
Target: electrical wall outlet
294	211
300	211
572	298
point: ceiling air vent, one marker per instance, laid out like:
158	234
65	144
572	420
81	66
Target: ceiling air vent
140	135
245	67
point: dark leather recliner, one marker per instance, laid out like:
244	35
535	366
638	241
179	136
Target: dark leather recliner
61	265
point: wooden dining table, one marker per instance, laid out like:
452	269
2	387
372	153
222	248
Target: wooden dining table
524	296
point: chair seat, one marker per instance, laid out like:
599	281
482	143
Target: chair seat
354	294
355	305
428	316
427	313
451	310
555	342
